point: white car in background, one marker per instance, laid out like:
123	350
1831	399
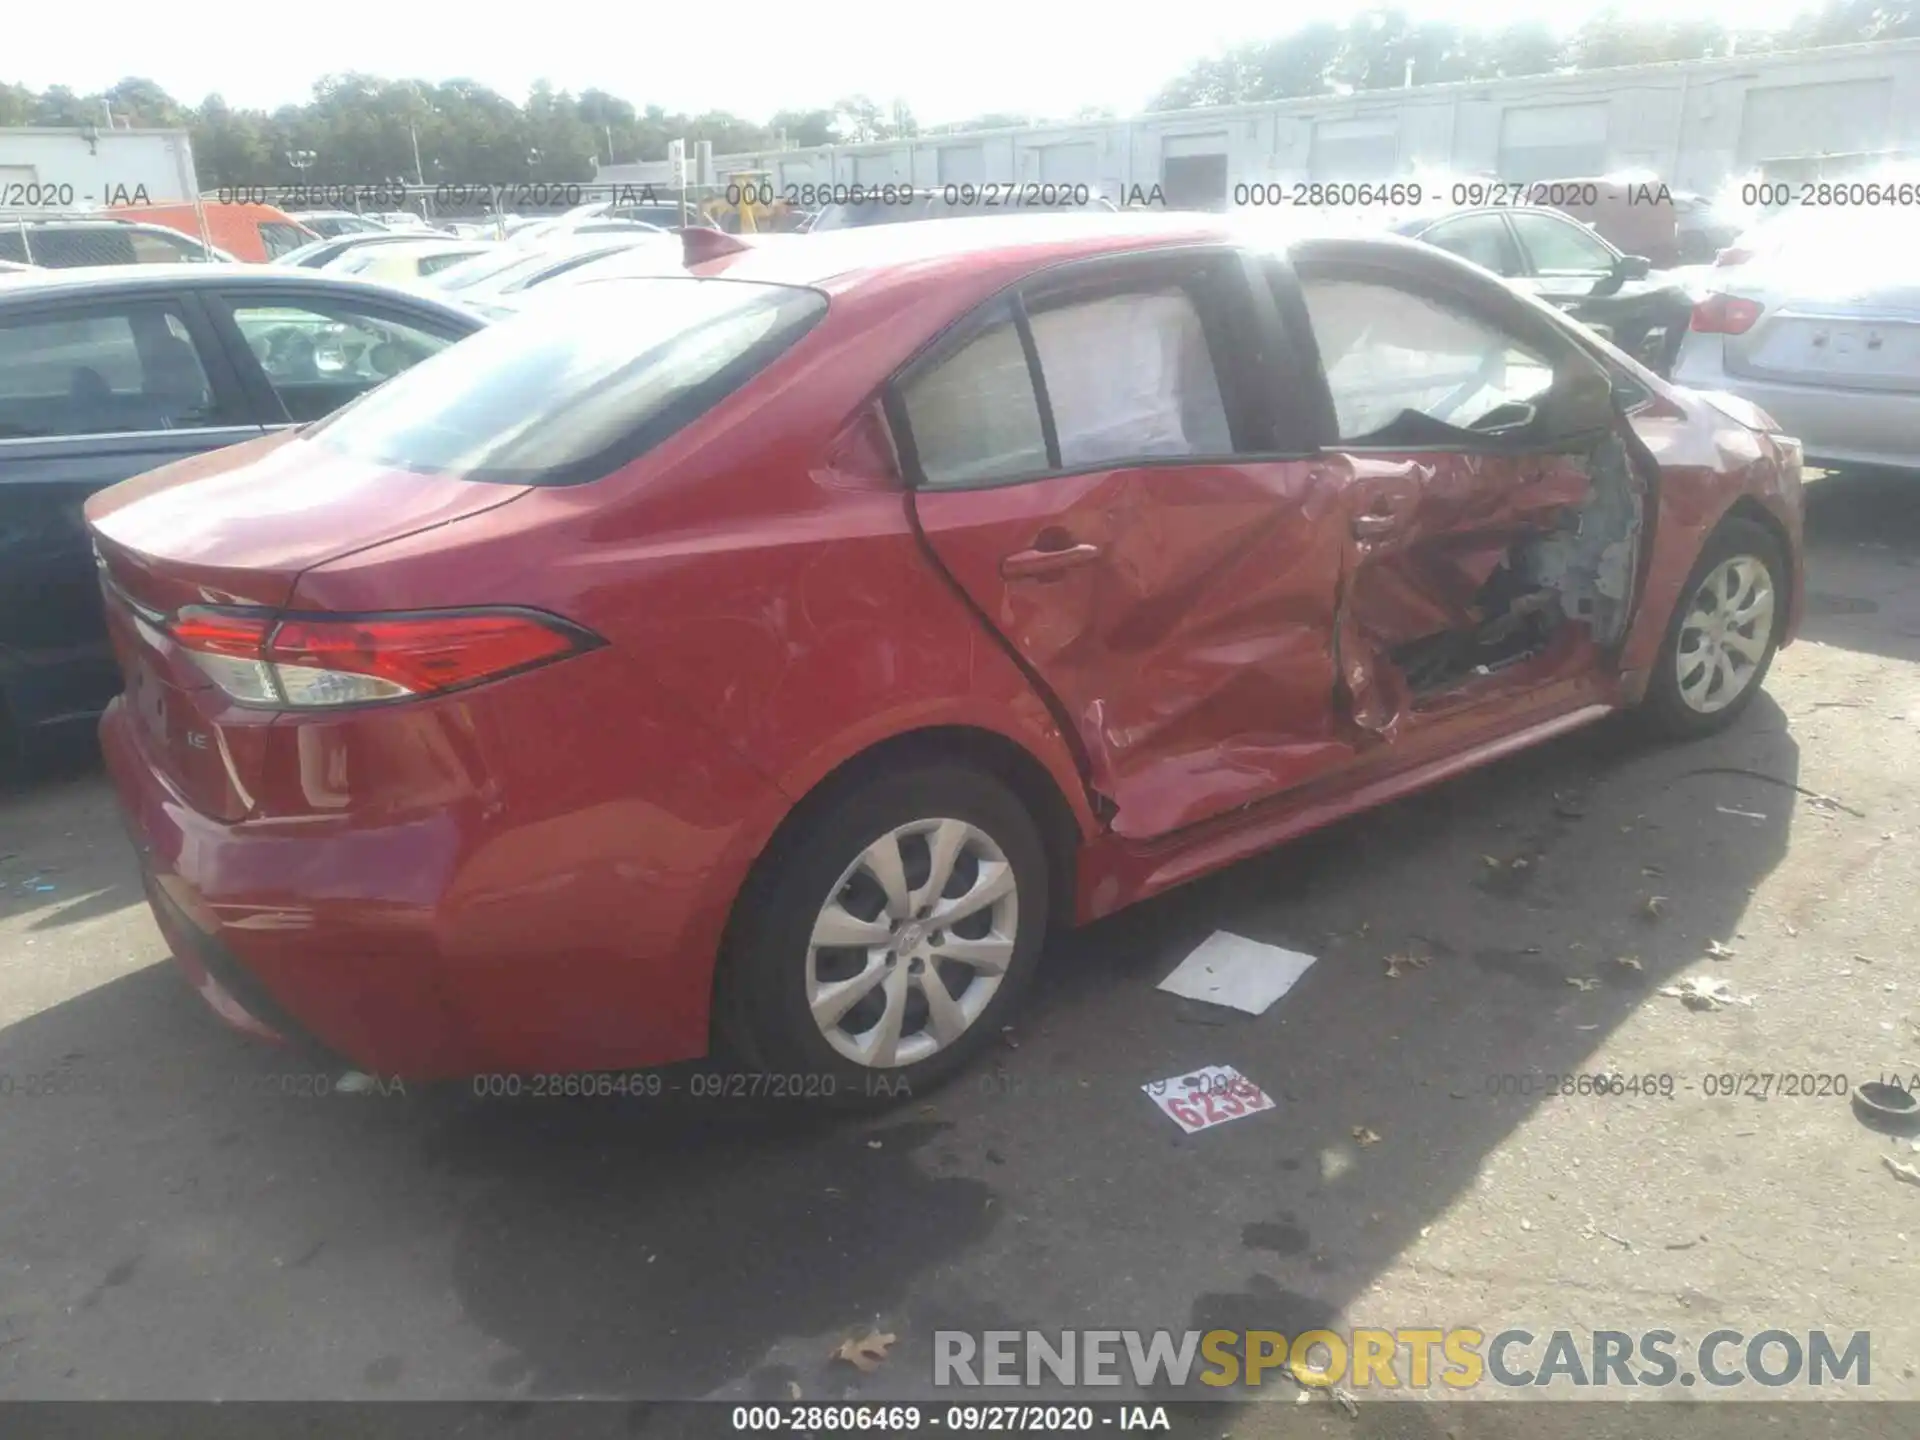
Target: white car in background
1818	324
406	263
496	282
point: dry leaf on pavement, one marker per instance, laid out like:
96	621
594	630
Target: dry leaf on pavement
864	1354
1630	962
1396	963
1701	994
1583	982
1365	1136
1905	1172
1717	951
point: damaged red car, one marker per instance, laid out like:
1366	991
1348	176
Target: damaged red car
760	661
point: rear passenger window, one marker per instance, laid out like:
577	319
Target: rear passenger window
102	372
1127	377
974	415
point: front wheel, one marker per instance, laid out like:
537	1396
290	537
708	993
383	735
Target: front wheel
891	933
1723	635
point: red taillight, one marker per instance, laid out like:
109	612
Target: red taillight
310	661
1725	315
1732	255
222	632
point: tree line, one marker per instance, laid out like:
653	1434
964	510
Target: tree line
361	128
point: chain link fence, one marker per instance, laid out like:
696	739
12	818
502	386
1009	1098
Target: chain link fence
60	240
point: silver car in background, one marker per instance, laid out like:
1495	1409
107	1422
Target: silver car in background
1821	329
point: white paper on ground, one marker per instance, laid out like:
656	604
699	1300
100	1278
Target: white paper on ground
1233	970
1209	1096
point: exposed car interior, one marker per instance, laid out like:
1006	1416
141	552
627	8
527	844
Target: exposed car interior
1519	551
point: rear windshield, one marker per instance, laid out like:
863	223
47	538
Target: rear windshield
576	388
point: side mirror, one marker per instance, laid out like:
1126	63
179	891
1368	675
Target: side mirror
1632	267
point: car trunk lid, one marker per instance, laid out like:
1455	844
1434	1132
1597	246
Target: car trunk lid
238	527
1854	327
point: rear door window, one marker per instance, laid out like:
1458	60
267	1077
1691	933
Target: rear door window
316	357
974	414
1128	376
103	370
574	390
1561	247
1484	239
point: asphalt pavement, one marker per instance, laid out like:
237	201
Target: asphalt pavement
172	1226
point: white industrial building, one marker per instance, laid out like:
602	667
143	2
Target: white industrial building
1696	123
47	169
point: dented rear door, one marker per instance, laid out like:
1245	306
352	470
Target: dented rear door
1098	466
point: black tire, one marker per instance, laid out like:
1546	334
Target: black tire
764	1021
1665	710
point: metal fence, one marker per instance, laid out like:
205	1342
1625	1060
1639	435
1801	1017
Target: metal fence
62	239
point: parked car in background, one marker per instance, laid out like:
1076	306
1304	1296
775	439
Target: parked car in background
329	224
1624	210
768	656
247	232
107	373
1549	254
403	220
499	290
69	242
958	202
407	264
1820	327
322	253
1705	228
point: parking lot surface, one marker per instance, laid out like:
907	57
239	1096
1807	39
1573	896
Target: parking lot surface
178	1220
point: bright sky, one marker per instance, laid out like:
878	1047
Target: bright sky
948	61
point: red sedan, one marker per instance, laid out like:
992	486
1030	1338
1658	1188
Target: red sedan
765	658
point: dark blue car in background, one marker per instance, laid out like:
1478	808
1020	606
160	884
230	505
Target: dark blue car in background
108	373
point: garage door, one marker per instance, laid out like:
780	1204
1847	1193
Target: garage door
1549	142
1193	171
963	165
800	172
1778	121
874	169
1355	150
1067	164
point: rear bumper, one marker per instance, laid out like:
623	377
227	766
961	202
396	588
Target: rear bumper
431	945
1834	427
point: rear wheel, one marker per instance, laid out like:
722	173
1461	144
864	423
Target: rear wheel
1723	635
889	936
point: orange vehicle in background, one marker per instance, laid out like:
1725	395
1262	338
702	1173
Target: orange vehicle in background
246	232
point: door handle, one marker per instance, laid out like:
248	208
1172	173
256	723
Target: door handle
1037	564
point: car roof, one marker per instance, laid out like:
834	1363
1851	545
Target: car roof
841	259
80	222
428	243
122	279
